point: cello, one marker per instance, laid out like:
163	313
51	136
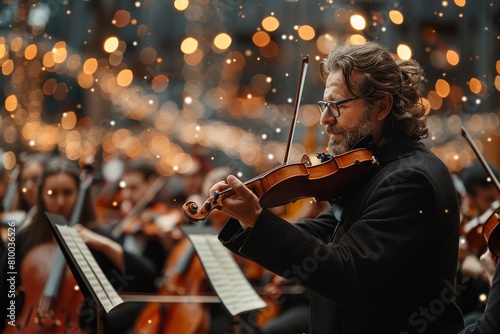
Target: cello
183	276
52	295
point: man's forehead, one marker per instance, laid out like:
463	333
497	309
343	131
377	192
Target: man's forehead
336	79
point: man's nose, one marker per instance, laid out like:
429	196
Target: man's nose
326	118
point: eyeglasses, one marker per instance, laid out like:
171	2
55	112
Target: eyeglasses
333	106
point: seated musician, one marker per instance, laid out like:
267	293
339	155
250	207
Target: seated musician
480	194
35	253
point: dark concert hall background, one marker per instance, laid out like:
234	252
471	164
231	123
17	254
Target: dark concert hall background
169	79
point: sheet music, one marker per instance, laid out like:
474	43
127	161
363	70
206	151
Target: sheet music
228	281
107	295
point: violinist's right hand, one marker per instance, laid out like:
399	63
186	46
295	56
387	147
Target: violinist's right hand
244	206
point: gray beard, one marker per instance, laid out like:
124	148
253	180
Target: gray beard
348	139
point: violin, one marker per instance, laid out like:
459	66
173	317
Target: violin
491	233
132	222
290	182
146	223
490	229
473	229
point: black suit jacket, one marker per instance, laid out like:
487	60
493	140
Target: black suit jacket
380	260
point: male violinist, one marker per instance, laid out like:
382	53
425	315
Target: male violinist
141	186
382	258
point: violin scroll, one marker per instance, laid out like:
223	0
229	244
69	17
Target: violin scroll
191	211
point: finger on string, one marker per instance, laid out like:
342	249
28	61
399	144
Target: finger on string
238	187
218	187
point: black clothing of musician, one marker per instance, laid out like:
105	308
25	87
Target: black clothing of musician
382	258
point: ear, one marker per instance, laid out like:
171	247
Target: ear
385	107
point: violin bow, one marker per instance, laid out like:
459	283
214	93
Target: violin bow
137	209
302	78
481	158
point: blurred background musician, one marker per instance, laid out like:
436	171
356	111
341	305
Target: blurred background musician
147	213
489	322
36	249
31	169
481	195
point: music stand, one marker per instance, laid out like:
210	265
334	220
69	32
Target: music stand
223	273
231	287
88	274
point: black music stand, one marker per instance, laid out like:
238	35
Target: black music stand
88	274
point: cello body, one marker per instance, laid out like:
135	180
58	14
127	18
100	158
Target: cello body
40	315
183	275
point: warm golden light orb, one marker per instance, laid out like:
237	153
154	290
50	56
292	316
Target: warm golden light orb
90	66
189	45
124	78
111	44
396	17
442	88
261	38
475	85
358	22
222	41
11	103
270	23
306	32
181	5
30	52
452	57
404	51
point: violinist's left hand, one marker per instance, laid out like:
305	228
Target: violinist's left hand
244	206
110	248
92	239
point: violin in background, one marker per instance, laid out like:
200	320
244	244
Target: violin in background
488	227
